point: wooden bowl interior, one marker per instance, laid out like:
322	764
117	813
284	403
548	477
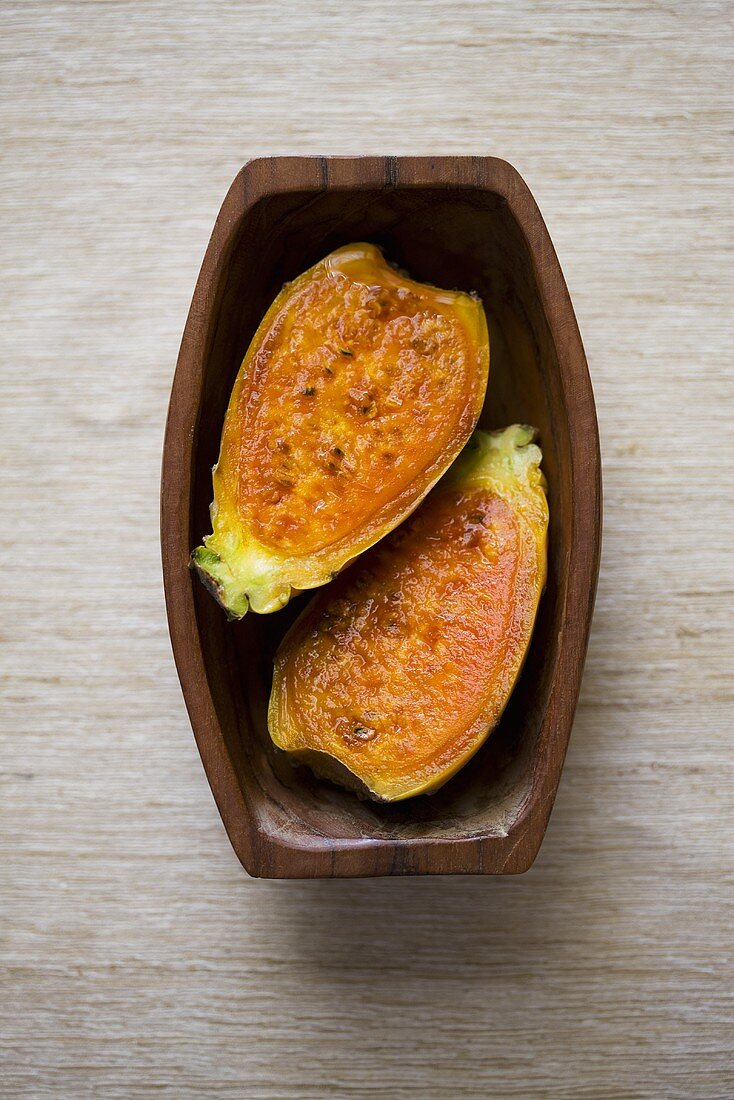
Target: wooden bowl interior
454	237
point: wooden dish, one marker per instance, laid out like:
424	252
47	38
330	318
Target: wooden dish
466	222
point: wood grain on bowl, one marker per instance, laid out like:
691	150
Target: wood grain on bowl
464	222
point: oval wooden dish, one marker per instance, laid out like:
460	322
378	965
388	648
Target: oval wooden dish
464	222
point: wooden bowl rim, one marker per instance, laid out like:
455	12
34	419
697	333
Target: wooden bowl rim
514	852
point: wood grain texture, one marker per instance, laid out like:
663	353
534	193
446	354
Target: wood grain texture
137	957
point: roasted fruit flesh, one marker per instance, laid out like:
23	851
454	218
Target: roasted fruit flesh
358	390
394	676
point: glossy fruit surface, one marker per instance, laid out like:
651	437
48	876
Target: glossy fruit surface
357	392
393	677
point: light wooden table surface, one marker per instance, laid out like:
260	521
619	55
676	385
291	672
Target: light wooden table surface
138	958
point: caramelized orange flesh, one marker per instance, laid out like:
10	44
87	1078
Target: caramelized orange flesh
346	402
358	390
400	669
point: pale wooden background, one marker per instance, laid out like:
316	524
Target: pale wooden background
138	958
